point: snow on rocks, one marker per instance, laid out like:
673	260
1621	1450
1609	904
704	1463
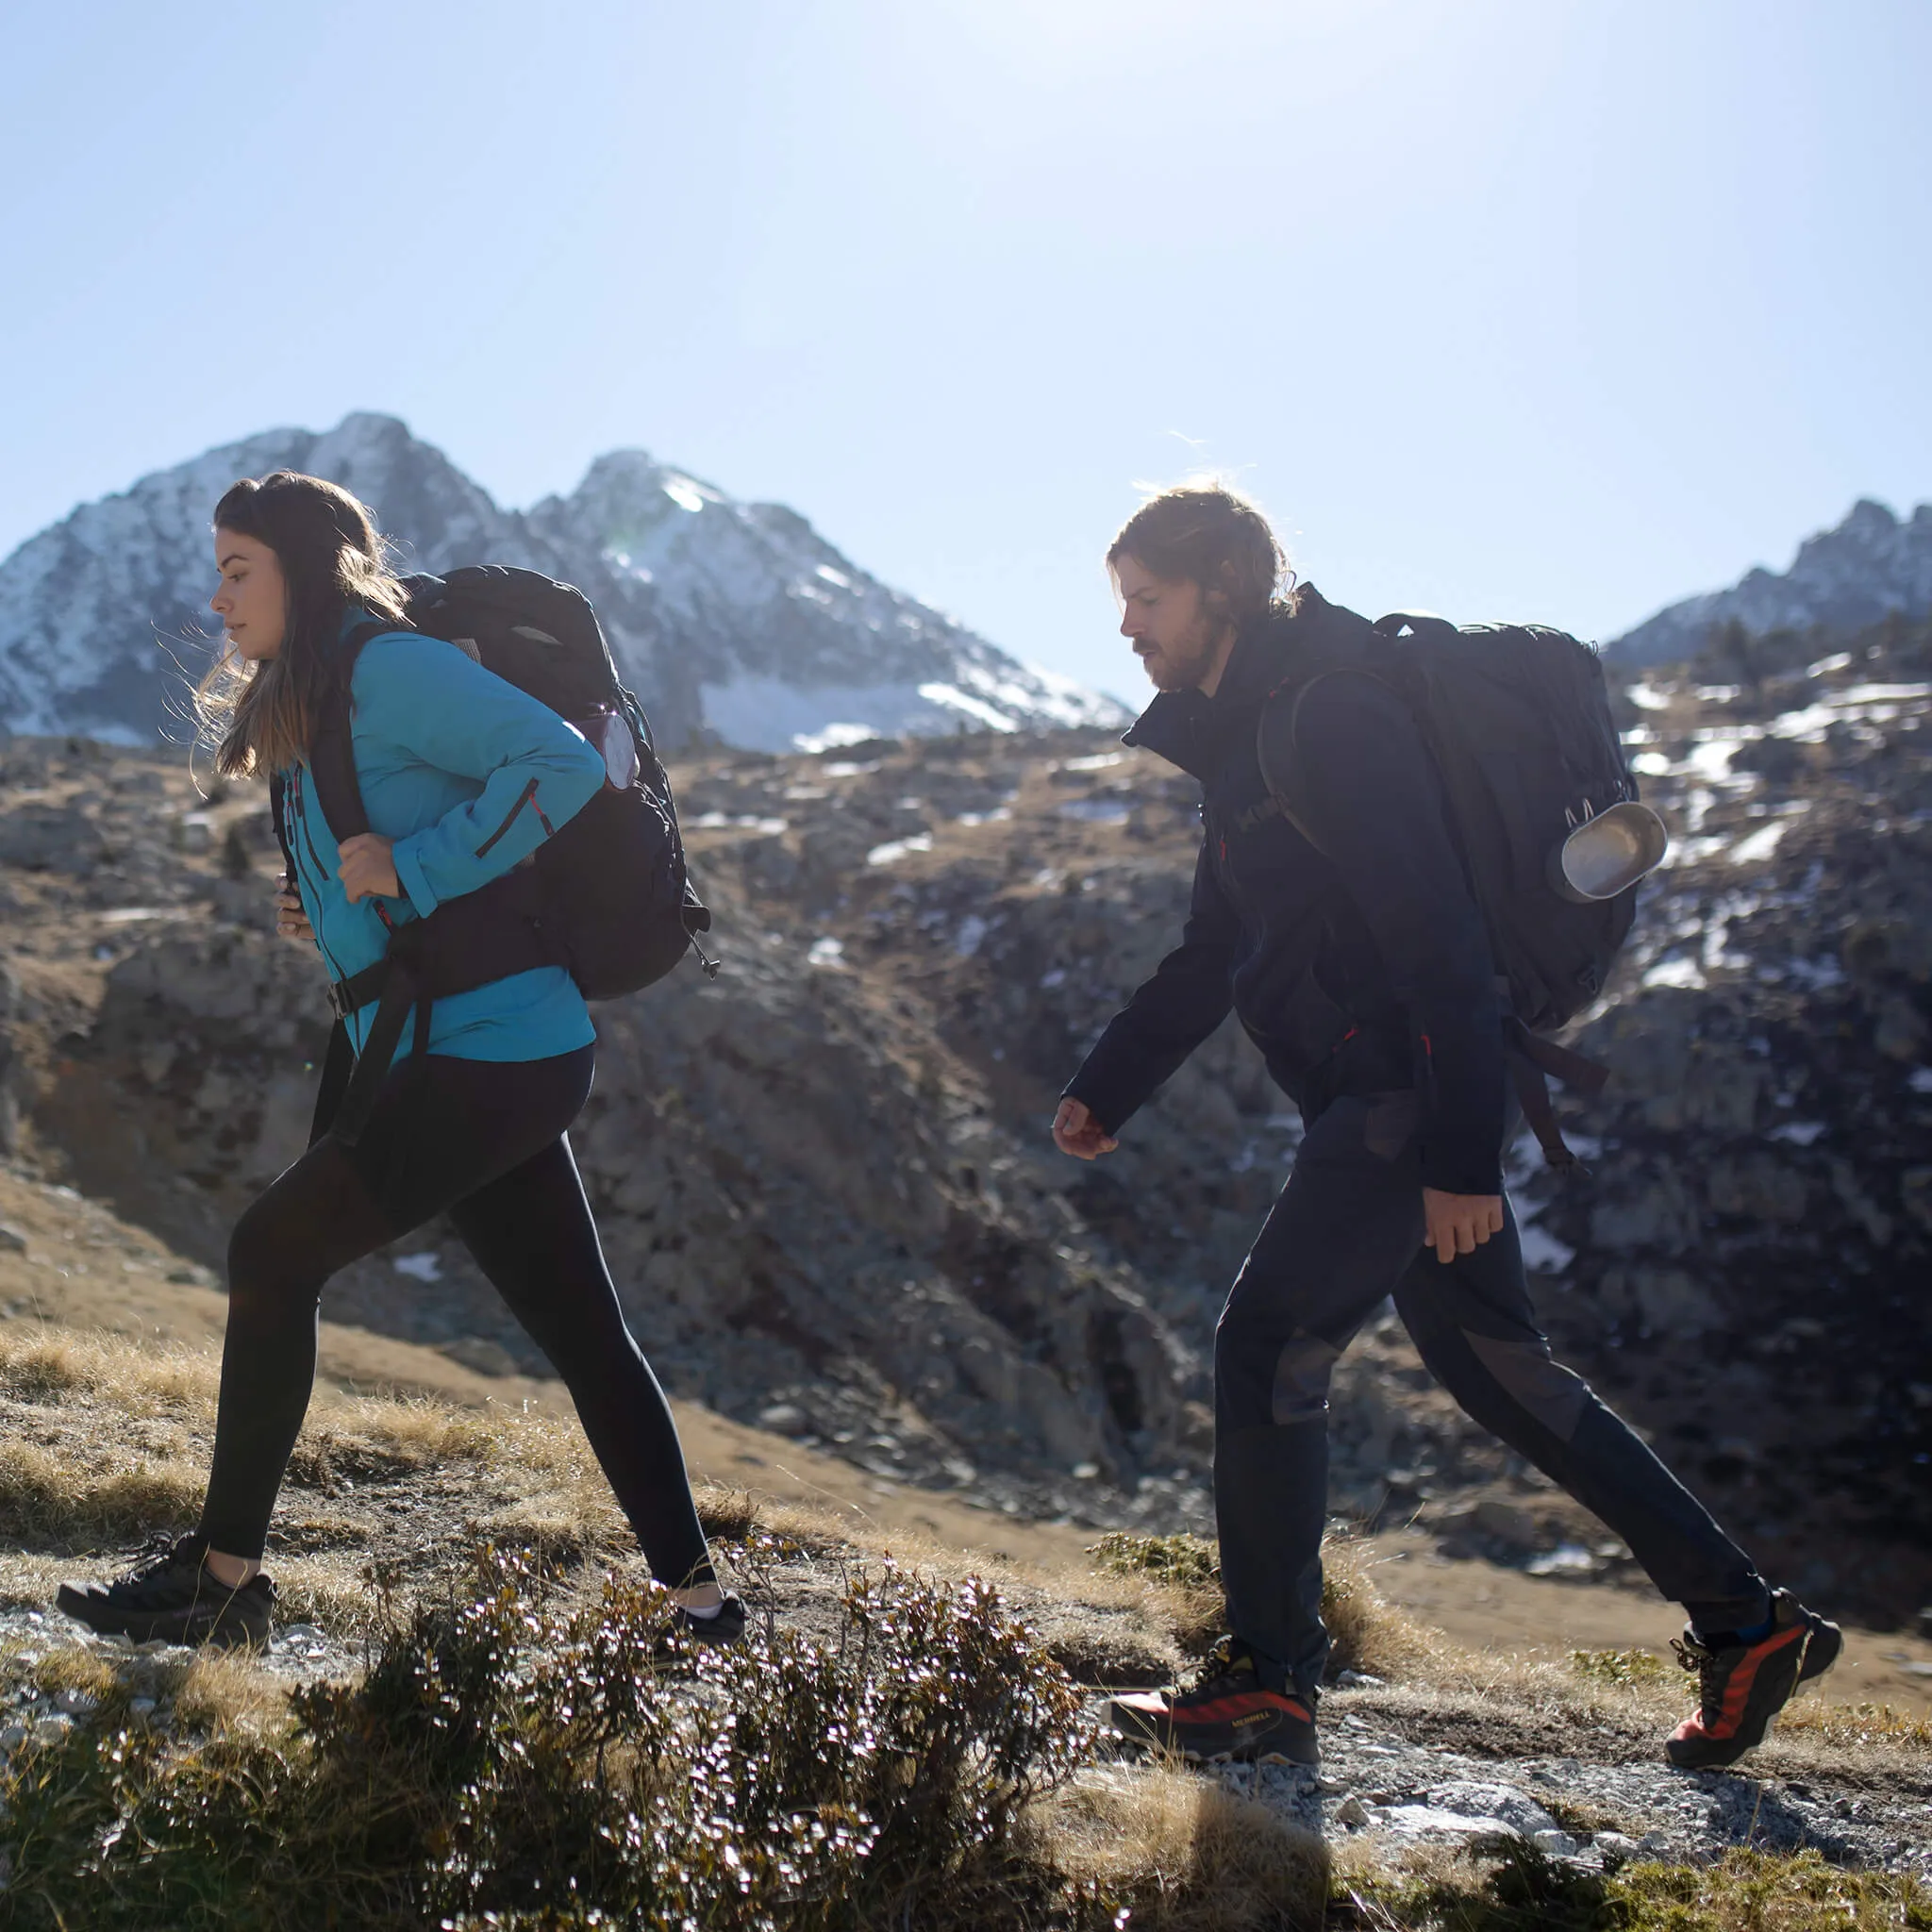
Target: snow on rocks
733	617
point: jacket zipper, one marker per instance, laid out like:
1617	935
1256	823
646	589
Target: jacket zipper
528	796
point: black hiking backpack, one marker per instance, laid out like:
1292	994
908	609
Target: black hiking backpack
1544	811
608	895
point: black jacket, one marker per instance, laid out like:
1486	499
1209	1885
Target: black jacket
1357	968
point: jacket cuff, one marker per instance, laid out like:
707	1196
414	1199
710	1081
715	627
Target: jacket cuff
1454	1167
408	866
1104	1099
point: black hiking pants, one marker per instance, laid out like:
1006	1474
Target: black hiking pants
484	1142
1346	1231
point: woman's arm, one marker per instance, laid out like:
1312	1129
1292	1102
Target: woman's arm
440	705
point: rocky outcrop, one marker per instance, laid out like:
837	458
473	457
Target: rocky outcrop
830	1201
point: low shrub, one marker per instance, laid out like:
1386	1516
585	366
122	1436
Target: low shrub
499	1765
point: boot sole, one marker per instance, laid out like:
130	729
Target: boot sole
103	1620
1263	1751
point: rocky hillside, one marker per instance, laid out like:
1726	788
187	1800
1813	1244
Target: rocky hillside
733	619
827	1191
1868	568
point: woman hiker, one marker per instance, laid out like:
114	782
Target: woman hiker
447	754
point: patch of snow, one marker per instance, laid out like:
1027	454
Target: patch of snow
896	849
424	1267
970	936
826	952
1647	697
1799	1133
1100	761
951	696
1566	1559
1759	845
1678	971
1921	1080
1097	812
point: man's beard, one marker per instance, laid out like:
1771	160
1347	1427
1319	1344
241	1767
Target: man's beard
1182	665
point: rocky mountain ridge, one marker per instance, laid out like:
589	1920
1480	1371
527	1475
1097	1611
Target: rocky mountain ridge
735	620
1869	567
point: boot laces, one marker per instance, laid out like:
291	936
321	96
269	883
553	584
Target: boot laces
1693	1655
160	1554
1218	1664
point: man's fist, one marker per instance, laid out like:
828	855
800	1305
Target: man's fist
1459	1224
1076	1132
367	871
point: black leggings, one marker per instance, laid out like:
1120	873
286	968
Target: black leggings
484	1142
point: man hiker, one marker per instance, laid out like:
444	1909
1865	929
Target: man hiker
1349	944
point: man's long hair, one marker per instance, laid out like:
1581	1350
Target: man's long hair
1206	534
332	562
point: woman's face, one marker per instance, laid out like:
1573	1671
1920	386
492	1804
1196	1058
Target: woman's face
253	600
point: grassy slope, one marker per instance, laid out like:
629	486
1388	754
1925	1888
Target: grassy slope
103	1438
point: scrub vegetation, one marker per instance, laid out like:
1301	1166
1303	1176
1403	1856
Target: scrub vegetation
521	1741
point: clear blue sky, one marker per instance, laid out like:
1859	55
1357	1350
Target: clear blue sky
1500	306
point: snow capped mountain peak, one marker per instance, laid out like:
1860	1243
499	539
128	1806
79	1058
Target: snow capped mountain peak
1870	565
728	617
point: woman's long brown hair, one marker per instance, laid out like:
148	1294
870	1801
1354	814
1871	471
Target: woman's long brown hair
260	716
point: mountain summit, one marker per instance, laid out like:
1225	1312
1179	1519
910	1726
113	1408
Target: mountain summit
1869	566
735	618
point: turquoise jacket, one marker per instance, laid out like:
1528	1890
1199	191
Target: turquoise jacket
469	776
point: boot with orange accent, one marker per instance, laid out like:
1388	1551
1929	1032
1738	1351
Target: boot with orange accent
1227	1712
1742	1685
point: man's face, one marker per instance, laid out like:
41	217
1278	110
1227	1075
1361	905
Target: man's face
1175	639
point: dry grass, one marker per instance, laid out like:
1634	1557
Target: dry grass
1181	1580
1186	1855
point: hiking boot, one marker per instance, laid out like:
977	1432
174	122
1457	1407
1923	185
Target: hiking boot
1227	1712
170	1595
1742	1687
727	1627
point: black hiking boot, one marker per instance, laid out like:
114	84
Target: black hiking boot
170	1595
1227	1712
1742	1687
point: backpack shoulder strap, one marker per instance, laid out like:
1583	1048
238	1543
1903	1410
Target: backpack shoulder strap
1292	691
331	745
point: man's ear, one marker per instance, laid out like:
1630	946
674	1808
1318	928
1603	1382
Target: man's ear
1219	598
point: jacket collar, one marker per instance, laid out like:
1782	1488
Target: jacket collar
1193	731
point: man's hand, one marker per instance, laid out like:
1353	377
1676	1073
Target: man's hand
1076	1132
367	871
1459	1224
291	920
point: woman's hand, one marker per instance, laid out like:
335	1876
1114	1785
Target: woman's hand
1076	1132
1459	1224
291	920
367	871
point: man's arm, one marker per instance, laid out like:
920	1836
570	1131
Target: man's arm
1365	785
1169	1016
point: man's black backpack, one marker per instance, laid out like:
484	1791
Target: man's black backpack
1543	808
608	895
